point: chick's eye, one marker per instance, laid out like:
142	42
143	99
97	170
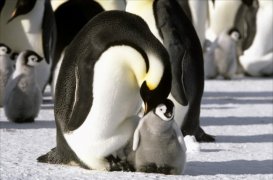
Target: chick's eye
33	58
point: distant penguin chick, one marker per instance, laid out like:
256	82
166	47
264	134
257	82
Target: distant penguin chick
23	95
222	55
6	68
158	142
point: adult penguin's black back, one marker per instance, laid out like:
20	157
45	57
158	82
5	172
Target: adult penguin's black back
70	17
74	89
181	40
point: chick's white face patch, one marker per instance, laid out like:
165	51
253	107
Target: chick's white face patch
165	114
3	50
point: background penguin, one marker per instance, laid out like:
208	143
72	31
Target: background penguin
82	11
102	82
29	24
221	56
23	97
233	13
158	142
258	58
171	26
6	69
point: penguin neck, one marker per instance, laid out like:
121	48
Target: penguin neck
145	10
158	126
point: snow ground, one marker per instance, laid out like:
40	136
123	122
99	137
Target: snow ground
238	112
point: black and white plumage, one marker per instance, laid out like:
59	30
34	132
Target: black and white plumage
30	24
23	97
6	69
170	25
111	66
158	142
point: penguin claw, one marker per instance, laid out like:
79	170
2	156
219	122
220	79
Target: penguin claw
201	136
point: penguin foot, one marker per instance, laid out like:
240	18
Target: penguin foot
148	168
165	170
116	164
51	157
153	168
201	136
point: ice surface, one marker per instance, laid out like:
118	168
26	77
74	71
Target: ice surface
238	112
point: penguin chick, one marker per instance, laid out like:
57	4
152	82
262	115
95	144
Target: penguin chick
222	55
158	142
23	95
6	68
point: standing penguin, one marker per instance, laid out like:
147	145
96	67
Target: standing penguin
6	69
170	25
158	142
29	24
23	96
111	66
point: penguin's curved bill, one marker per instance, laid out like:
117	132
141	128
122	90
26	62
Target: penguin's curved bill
168	114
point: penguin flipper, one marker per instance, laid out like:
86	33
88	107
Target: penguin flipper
170	32
137	134
73	97
180	136
49	32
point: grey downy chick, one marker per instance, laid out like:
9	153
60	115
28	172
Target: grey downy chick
158	142
6	69
23	95
221	57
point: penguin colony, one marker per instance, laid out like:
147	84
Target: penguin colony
120	58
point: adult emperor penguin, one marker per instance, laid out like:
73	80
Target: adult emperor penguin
23	97
258	58
29	24
170	25
82	11
6	69
111	66
158	142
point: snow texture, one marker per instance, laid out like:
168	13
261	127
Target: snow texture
238	112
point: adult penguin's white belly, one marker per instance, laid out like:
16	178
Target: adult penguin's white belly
116	103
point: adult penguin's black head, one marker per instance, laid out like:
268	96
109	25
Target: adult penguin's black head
22	7
153	97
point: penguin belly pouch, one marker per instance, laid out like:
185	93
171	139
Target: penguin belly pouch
158	143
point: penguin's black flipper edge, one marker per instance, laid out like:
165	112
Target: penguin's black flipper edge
49	32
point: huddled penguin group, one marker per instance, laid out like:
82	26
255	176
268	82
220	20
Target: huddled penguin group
107	61
27	25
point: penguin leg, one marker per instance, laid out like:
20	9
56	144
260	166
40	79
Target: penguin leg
191	124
